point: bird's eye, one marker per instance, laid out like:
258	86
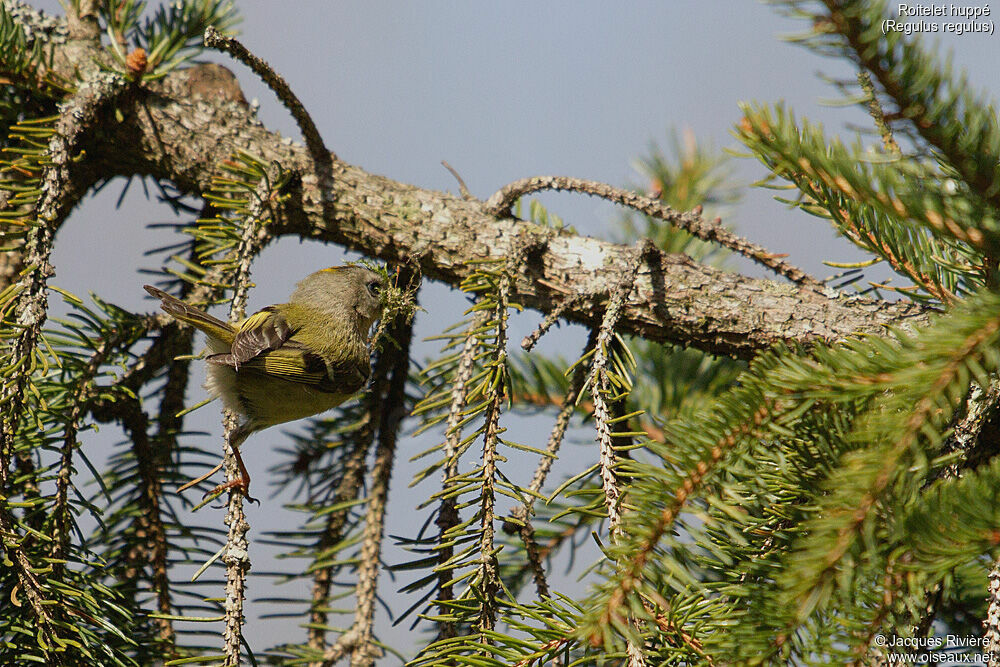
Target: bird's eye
374	287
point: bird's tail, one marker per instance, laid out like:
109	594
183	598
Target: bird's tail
196	317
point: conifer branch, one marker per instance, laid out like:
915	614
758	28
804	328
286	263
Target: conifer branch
920	97
61	190
865	648
867	238
914	424
531	550
29	583
488	579
150	547
569	403
991	624
447	517
237	557
669	303
393	409
632	574
61	508
521	515
599	386
529	341
712	231
333	529
314	141
153	455
807	453
150	456
875	111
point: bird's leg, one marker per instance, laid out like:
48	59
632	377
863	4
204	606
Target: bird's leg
243	481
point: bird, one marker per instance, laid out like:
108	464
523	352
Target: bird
290	360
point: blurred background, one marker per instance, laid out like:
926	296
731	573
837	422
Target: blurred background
501	91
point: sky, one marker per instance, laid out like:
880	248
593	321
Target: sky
501	90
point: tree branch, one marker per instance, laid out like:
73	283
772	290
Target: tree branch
178	129
692	222
365	651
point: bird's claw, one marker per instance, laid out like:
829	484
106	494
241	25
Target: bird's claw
243	485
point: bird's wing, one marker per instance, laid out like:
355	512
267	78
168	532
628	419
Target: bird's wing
294	363
263	331
265	344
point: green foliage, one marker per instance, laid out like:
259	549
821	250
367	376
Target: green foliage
171	37
464	552
905	210
939	106
804	500
24	93
786	510
85	617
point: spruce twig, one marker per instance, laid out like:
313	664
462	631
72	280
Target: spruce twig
447	517
364	651
712	231
314	141
237	556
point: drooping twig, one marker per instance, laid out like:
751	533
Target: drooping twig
692	222
84	390
387	387
149	547
599	389
347	490
61	190
598	384
447	517
153	454
521	514
314	142
393	410
85	397
237	556
531	550
569	405
489	571
356	641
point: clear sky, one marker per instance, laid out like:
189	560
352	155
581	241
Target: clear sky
501	90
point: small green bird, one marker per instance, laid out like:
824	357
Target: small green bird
290	360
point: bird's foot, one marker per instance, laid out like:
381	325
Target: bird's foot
240	483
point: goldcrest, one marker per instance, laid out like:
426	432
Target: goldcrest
291	360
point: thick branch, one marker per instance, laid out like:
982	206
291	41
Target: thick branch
190	120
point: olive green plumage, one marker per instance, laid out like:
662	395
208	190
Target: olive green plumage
295	359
